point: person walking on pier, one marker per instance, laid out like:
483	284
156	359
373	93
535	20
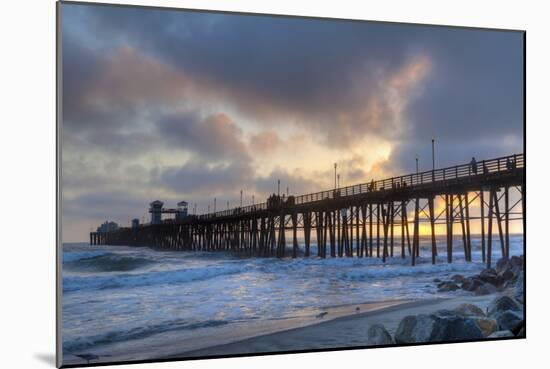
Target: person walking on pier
510	164
473	164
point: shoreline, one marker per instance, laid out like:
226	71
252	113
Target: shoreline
341	327
344	331
234	333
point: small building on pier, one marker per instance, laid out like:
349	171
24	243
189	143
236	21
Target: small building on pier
181	211
155	208
107	226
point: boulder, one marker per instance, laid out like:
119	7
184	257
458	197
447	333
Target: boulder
521	332
414	328
443	325
508	320
470	310
485	289
458	278
520	292
378	335
516	262
447	286
471	283
489	276
450	326
499	334
501	304
519	328
502	265
487	325
507	275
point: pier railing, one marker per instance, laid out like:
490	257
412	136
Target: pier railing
409	181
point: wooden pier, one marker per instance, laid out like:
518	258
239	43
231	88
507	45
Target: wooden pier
364	220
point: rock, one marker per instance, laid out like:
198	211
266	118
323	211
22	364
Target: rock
489	276
518	328
487	325
517	262
447	286
508	320
458	278
378	335
499	334
443	325
485	289
501	304
469	310
520	292
437	280
521	332
414	328
471	284
507	275
450	326
502	265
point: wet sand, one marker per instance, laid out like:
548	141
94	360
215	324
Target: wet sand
342	331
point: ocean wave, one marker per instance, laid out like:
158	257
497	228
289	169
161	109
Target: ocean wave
84	343
106	263
392	271
75	256
78	283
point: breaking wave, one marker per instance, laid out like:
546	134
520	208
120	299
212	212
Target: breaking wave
80	283
106	263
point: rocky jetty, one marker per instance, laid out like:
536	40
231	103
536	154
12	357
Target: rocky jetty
504	317
507	273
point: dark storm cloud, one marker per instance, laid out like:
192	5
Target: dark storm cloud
310	69
121	204
215	137
476	89
202	178
308	72
81	67
297	185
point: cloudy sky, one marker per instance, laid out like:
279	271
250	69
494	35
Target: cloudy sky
175	105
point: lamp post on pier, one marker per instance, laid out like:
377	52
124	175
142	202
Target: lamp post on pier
433	159
433	153
335	184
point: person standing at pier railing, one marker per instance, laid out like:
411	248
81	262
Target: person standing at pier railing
473	164
510	164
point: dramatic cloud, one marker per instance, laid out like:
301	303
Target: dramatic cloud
216	137
192	105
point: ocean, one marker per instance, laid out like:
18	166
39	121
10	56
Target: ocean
130	303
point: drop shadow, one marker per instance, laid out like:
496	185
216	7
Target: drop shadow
46	358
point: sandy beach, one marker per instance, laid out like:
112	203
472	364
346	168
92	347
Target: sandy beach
340	331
